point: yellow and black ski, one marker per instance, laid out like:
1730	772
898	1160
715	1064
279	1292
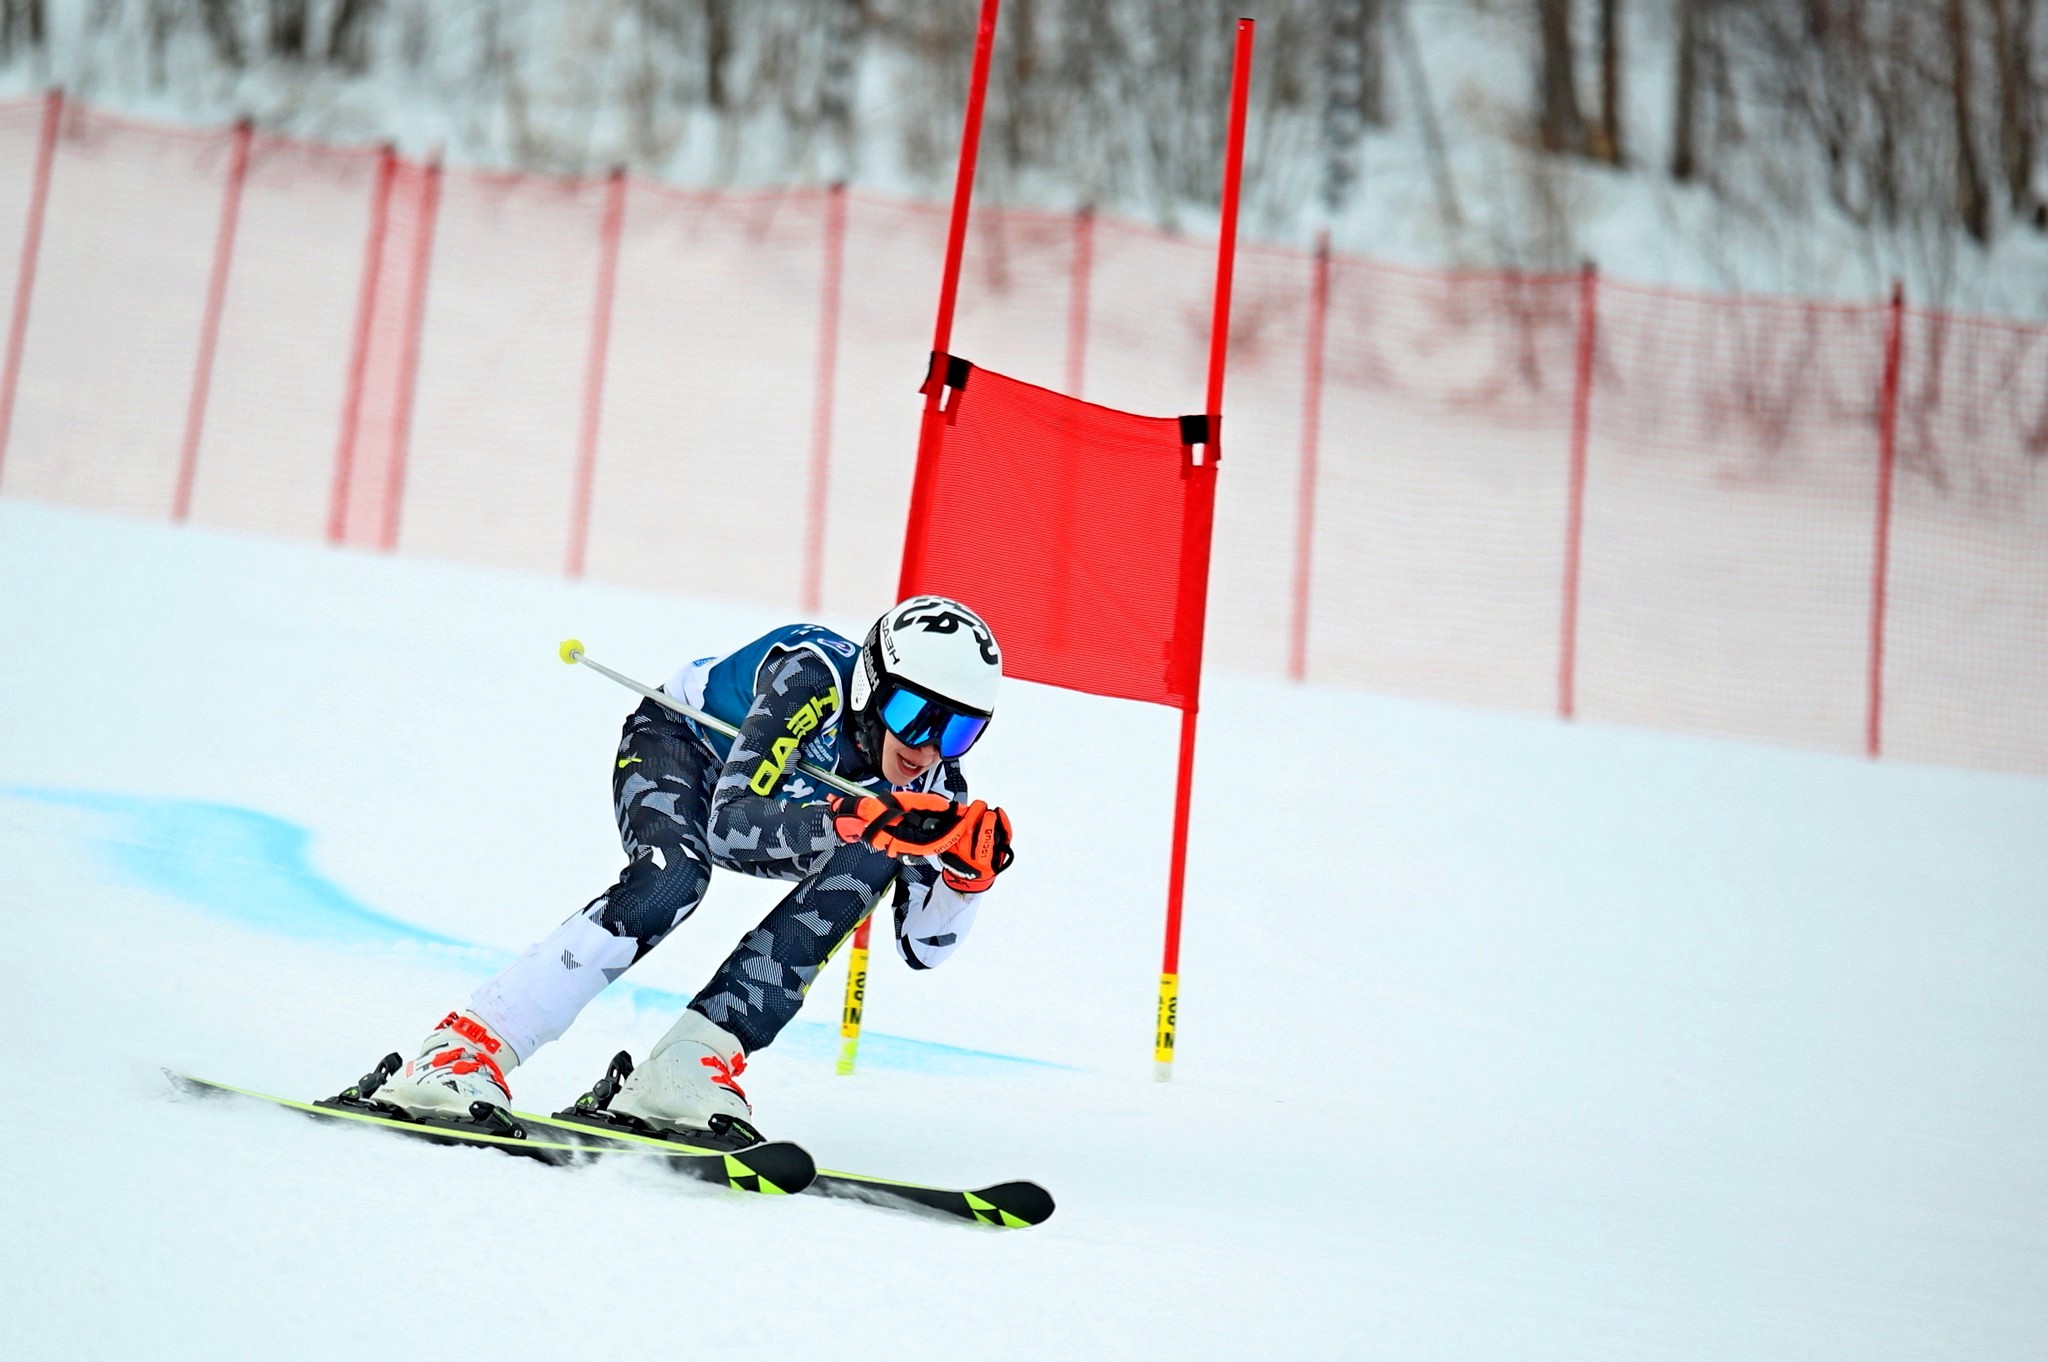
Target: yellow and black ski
1008	1205
774	1167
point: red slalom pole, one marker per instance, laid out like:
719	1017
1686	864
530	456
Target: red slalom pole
1195	536
963	185
1226	246
949	290
927	446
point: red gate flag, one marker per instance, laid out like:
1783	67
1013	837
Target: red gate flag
1080	534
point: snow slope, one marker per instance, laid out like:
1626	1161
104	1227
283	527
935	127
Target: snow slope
1501	1038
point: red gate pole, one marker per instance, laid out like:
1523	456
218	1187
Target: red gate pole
1082	280
209	329
826	391
610	228
359	354
1575	521
949	289
1887	463
409	366
1311	433
1195	536
935	382
31	247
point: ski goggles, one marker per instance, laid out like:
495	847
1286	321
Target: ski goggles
919	721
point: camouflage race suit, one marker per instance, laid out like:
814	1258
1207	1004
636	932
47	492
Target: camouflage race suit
681	811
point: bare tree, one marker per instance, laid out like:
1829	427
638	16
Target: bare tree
1424	105
1607	143
222	21
348	33
1560	126
1354	90
290	27
718	45
1685	113
843	22
2018	102
21	27
1973	200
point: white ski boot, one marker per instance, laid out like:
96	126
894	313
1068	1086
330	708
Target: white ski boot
688	1078
461	1061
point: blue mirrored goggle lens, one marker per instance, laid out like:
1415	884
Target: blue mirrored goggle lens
917	722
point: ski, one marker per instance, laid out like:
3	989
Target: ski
1011	1205
1008	1205
732	1154
771	1168
755	1163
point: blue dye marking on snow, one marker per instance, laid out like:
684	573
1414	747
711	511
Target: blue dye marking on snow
253	869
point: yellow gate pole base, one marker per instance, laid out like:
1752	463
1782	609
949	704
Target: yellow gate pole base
1169	1019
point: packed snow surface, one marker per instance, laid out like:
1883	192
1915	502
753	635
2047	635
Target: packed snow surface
1501	1038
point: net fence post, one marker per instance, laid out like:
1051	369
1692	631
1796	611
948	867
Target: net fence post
409	362
824	394
1575	514
31	248
611	228
1311	433
1887	463
1080	282
359	352
209	328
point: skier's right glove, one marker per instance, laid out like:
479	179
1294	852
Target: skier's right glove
899	823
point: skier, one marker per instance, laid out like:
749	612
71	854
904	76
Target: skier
916	696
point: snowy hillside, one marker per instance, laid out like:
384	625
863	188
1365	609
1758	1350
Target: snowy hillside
1501	1038
1117	104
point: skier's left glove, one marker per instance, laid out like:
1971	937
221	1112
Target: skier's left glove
981	851
899	823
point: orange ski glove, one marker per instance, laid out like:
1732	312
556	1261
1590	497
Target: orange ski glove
899	823
981	851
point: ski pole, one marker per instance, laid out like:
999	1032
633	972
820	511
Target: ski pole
572	653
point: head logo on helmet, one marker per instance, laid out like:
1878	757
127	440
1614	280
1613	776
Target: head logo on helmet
939	664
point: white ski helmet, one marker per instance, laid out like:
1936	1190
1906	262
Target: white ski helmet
928	673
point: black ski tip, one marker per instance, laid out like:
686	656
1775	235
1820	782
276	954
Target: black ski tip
194	1087
1003	1205
784	1168
1007	1202
734	1154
